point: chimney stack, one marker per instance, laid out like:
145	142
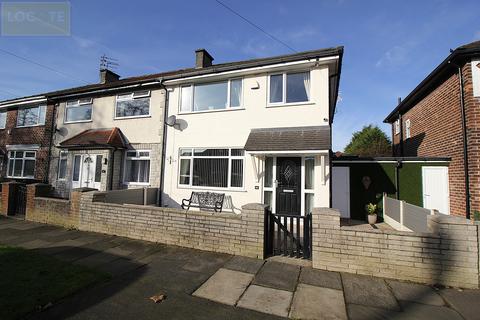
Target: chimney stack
107	76
203	59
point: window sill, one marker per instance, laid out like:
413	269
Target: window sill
275	105
210	111
81	121
29	178
136	183
132	117
211	188
32	126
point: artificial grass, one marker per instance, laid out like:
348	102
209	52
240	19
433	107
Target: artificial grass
29	281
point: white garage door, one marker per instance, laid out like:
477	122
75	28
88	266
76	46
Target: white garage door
341	190
435	189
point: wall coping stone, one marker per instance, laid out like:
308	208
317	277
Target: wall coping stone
326	212
52	199
442	218
84	189
255	206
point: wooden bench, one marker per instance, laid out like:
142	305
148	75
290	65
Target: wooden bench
205	201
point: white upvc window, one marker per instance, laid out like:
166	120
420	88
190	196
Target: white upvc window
397	126
221	168
137	167
3	119
407	129
62	165
79	110
211	96
269	181
309	184
31	116
289	88
21	164
133	105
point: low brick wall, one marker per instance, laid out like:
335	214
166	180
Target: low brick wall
448	256
239	234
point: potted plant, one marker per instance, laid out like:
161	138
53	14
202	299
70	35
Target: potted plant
371	213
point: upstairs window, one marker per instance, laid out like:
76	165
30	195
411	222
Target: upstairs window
3	119
211	96
289	88
397	126
216	168
31	116
21	164
407	129
135	104
78	110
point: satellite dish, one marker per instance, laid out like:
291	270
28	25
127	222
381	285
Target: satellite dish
62	131
171	121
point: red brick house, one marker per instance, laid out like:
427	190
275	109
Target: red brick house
26	126
441	118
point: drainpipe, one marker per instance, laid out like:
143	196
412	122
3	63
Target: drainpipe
164	145
46	177
465	142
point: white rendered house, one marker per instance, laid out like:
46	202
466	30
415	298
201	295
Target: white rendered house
258	131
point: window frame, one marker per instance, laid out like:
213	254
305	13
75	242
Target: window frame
229	102
133	97
78	104
137	157
229	178
396	126
60	158
4	124
284	89
23	164
39	113
408	125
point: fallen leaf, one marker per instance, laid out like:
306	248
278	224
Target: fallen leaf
158	298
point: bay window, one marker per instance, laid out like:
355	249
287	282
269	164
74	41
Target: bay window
31	116
211	96
135	104
215	168
137	167
289	88
21	164
78	110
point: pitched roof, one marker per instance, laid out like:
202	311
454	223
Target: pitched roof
435	78
289	139
96	139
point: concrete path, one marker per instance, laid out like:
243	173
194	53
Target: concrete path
204	285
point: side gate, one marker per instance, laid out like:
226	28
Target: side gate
288	235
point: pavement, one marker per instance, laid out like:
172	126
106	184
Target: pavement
206	285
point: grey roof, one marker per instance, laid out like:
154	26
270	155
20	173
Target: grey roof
289	139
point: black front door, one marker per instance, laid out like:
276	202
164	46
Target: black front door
288	199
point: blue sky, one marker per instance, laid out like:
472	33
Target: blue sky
390	46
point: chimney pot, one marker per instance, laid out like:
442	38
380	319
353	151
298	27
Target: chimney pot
203	59
107	76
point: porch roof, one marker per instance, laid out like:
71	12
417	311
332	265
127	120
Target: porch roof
293	139
111	138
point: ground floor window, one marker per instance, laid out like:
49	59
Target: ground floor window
21	164
216	168
62	165
137	167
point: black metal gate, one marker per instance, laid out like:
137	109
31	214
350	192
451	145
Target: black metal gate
20	199
288	235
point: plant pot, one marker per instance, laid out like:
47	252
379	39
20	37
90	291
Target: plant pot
372	218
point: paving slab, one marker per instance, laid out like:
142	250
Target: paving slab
96	259
119	267
266	300
360	312
466	302
316	303
278	276
368	291
417	311
203	261
34	244
321	278
244	264
225	286
74	253
414	292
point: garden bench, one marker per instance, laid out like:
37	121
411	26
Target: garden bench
204	201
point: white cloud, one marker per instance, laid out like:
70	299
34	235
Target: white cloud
394	57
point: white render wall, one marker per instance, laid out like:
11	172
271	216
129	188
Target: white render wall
230	129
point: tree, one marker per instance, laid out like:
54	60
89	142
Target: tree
371	141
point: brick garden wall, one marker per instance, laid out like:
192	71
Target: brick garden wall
449	255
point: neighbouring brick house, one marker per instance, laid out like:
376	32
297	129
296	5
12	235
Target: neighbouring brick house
26	126
441	118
